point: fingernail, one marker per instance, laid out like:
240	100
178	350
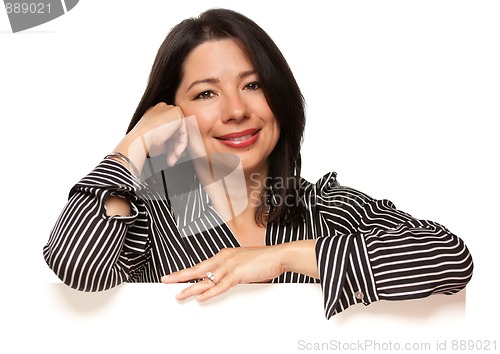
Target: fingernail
164	278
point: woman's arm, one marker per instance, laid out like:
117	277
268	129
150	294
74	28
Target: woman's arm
86	248
388	255
162	129
101	235
299	257
241	265
392	256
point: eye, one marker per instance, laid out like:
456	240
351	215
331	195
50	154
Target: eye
205	95
252	86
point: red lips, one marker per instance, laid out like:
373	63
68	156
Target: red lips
241	139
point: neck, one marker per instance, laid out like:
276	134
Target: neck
235	193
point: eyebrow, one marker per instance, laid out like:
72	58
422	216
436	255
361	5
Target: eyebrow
247	73
210	80
213	80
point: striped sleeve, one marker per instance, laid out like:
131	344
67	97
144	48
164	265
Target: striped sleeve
413	258
89	250
389	255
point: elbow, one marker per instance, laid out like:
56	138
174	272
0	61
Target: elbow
466	264
459	267
65	269
82	276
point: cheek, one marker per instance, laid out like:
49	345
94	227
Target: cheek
272	121
205	123
198	136
187	109
277	129
277	132
202	123
191	110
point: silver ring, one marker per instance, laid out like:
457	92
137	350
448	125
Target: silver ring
211	277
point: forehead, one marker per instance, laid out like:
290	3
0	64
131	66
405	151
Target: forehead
216	57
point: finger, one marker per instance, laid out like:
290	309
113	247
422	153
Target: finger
182	138
182	142
183	132
195	289
172	158
196	272
171	161
223	285
178	145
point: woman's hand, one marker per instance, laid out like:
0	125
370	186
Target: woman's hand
161	130
230	267
241	265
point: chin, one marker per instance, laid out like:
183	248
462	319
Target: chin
250	159
254	165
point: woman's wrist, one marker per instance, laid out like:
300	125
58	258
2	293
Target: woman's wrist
132	153
126	161
299	257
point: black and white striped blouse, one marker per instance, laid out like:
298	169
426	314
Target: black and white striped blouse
366	249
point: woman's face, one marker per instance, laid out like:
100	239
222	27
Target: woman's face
220	87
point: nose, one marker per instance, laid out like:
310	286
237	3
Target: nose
235	108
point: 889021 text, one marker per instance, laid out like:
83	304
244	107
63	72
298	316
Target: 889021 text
27	8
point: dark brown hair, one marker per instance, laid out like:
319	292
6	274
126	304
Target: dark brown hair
279	86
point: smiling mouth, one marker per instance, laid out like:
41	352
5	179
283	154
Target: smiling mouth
240	140
239	136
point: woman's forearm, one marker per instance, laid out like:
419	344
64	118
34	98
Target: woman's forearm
299	257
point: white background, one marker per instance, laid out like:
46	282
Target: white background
402	97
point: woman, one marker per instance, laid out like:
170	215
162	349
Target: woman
205	187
